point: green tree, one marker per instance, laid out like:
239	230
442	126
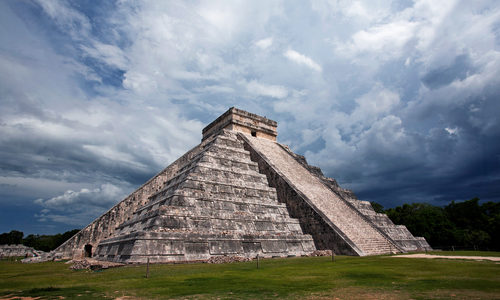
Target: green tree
425	220
377	207
466	214
13	238
48	242
491	210
467	224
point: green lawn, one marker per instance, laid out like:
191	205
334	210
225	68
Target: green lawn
379	277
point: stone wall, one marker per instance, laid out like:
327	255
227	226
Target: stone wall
16	250
242	121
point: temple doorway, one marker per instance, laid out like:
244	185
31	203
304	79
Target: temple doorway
88	250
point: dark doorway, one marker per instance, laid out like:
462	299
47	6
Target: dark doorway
88	250
254	133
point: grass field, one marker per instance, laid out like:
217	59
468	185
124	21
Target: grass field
379	277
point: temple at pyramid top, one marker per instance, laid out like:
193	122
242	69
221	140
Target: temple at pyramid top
242	121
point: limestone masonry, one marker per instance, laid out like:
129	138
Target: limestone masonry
238	193
16	250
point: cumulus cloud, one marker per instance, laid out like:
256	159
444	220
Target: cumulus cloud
274	91
78	208
105	195
302	60
388	38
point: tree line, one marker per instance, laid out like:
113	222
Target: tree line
39	242
467	224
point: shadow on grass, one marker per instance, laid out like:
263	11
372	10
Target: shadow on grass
50	292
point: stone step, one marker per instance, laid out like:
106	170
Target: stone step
224	150
212	155
195	212
250	188
163	224
228	141
209	235
239	193
229	162
240	203
176	197
202	171
214	147
195	173
250	182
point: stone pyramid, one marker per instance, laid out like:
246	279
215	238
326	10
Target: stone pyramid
238	193
216	204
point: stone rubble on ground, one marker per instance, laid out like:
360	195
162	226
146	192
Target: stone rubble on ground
41	256
321	253
91	264
226	259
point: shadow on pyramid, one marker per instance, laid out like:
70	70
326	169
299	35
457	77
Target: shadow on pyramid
238	193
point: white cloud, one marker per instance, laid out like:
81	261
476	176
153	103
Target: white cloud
274	91
109	54
386	41
302	60
103	196
392	35
451	130
79	208
70	20
264	43
215	89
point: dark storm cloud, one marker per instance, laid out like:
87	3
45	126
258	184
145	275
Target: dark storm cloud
458	70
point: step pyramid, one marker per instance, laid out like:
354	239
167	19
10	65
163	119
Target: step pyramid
238	193
218	204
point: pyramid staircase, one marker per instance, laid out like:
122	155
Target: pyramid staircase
398	233
353	232
217	204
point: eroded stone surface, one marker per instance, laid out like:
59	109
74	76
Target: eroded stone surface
16	250
218	204
238	194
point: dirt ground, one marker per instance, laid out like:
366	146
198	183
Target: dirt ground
422	255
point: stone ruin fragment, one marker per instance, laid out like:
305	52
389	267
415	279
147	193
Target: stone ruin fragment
17	250
239	193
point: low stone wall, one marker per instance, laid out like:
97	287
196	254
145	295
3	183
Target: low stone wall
16	250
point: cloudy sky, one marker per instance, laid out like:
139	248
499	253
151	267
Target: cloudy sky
397	100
